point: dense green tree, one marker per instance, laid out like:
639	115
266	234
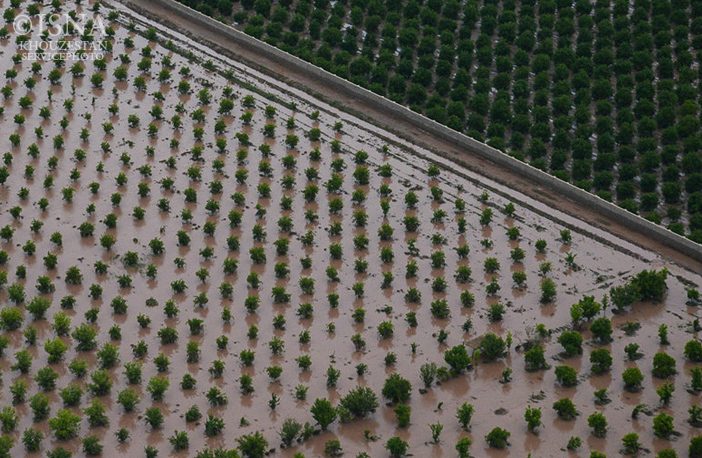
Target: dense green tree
323	412
397	389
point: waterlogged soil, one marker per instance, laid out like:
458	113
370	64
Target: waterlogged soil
602	261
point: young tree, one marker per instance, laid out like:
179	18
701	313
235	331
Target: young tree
663	365
572	342
253	445
601	329
436	429
663	425
667	453
402	413
565	408
323	412
464	413
632	378
65	425
358	403
534	359
396	447
463	447
566	375
598	423
693	350
631	444
665	392
289	431
695	447
532	415
651	284
397	389
153	417
548	290
695	412
427	373
498	438
457	358
601	360
492	347
32	439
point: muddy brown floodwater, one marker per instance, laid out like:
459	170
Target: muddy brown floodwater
109	158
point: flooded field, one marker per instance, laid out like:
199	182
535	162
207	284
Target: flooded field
197	236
